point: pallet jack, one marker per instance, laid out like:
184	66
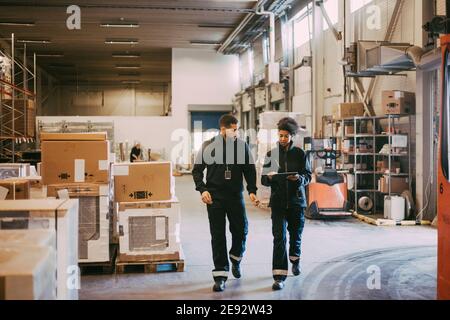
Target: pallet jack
441	26
327	192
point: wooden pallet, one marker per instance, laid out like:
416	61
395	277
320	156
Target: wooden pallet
388	222
150	263
107	267
149	266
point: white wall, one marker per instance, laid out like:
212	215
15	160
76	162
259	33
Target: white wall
199	77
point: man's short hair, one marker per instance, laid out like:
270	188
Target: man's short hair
227	120
288	124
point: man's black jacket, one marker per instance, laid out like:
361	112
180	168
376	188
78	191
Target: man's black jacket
216	155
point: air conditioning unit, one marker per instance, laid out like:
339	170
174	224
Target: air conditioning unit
148	229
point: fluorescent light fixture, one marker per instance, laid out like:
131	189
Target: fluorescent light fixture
33	41
214	25
121	41
128	66
125	55
205	43
17	23
120	25
131	82
50	54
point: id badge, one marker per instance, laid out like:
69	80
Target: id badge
227	174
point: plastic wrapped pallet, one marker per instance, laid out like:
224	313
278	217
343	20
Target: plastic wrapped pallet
149	230
93	216
27	273
59	215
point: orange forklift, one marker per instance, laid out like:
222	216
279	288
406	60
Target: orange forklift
441	26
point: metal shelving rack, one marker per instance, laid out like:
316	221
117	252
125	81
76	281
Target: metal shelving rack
11	92
374	155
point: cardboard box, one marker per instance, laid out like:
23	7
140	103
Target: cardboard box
58	215
27	273
349	130
348	110
84	136
17	188
398	184
398	102
383	165
143	181
74	161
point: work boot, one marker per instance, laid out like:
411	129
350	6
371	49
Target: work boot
236	270
296	268
278	285
219	286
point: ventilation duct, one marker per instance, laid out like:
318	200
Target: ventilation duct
383	58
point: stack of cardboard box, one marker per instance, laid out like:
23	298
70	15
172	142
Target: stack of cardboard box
76	165
147	212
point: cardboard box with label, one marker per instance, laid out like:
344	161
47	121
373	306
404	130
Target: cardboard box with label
144	181
74	161
398	102
348	110
16	189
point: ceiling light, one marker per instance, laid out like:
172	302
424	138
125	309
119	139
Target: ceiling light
120	25
121	41
128	66
50	54
125	55
33	41
205	43
17	23
131	82
212	25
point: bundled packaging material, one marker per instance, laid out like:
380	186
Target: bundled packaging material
14	170
143	181
149	230
93	217
82	157
59	215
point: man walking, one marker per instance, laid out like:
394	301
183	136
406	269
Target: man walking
227	160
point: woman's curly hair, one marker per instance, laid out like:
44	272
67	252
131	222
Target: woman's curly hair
288	124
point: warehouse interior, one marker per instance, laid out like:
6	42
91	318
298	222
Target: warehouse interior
83	84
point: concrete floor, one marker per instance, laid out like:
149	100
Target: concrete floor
339	259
